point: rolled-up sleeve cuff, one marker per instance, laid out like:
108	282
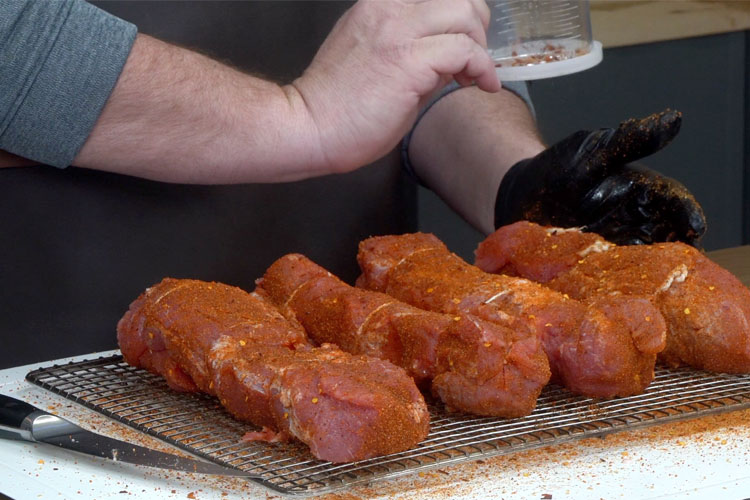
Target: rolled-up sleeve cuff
61	60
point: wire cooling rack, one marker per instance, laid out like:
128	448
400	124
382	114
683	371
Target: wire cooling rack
198	424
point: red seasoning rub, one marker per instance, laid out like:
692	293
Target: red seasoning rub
223	341
706	308
537	253
548	53
345	408
601	348
473	365
172	327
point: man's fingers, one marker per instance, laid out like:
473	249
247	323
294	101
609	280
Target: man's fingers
457	55
637	138
484	11
435	17
638	205
463	80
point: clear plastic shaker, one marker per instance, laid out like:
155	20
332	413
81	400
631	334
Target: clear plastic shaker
533	39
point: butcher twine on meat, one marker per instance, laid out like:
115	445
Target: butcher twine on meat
707	309
223	341
602	348
474	365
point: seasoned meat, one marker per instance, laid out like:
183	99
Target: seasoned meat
172	327
534	252
706	308
600	348
474	365
344	407
226	342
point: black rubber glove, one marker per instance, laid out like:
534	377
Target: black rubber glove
587	180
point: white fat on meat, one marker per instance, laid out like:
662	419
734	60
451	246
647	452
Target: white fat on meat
417	412
599	246
168	292
369	316
554	230
497	296
678	275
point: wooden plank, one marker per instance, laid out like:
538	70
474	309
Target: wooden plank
617	23
736	260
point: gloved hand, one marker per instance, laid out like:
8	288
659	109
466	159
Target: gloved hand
587	180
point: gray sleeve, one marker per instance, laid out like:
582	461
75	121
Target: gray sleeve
59	61
521	89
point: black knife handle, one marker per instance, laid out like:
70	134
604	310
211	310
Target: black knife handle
13	411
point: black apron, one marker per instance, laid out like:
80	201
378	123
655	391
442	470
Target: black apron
79	245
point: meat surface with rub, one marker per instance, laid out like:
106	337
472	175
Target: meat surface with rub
473	365
234	345
706	308
601	348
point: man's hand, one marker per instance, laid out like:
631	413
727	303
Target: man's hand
383	59
587	180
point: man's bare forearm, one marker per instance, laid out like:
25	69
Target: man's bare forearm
466	142
178	116
175	115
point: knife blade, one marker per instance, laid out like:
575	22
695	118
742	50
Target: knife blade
21	421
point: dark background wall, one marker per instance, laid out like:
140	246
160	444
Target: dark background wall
704	77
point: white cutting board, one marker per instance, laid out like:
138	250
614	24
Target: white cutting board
709	458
